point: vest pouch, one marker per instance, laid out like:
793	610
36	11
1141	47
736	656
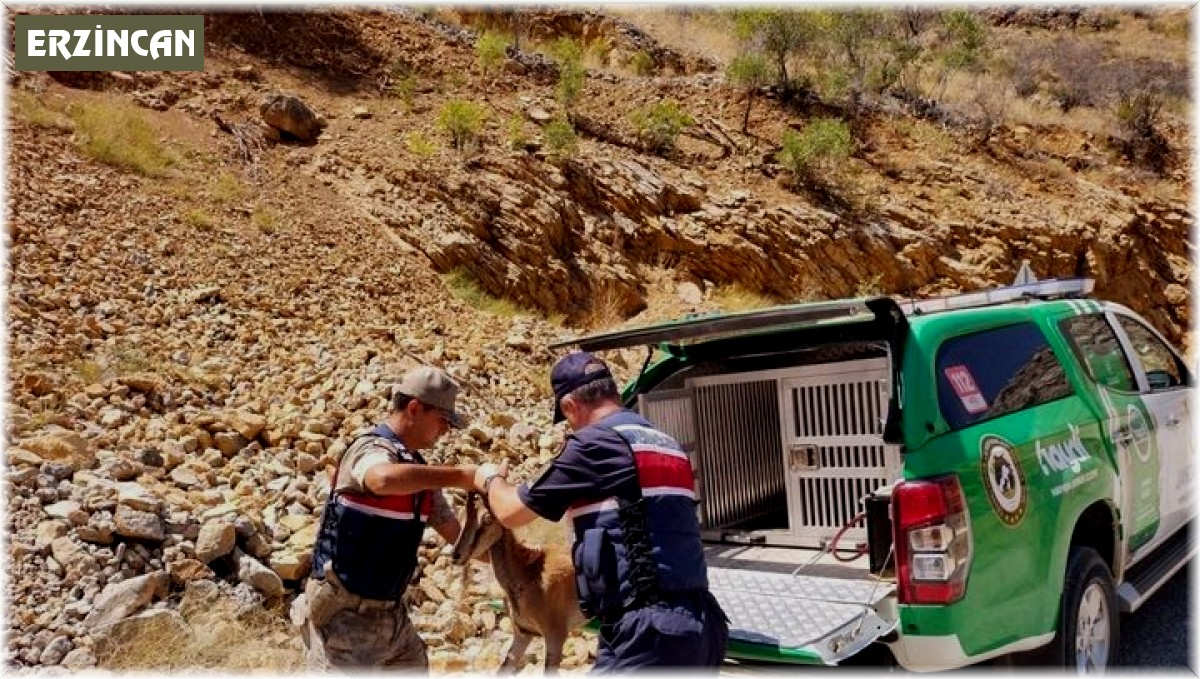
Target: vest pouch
596	573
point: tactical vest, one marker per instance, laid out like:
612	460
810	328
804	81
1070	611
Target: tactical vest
630	551
372	540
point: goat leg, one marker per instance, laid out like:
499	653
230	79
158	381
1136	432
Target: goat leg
516	651
554	649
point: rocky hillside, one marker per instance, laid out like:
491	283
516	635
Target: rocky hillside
201	319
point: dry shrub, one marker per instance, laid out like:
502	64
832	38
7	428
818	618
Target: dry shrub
1079	81
735	297
608	308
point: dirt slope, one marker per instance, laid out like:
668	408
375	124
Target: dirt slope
216	334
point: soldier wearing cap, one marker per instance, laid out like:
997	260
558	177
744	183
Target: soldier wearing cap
382	496
628	489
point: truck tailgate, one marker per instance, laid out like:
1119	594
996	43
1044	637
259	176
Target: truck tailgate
779	616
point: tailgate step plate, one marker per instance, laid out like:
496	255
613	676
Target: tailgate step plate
830	618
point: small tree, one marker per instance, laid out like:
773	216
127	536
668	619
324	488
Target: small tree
571	73
462	120
489	52
823	142
779	33
659	124
967	38
749	71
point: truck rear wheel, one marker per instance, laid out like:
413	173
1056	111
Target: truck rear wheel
1089	628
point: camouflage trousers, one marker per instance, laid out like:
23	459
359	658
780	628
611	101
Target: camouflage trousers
342	631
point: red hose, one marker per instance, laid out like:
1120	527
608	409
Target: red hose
858	551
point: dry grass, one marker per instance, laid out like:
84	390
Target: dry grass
90	372
1097	122
687	30
27	107
118	134
735	297
929	137
261	642
198	220
265	220
227	188
1161	35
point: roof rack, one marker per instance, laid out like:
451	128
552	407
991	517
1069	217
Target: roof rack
1047	289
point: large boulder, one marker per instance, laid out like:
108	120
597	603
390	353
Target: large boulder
128	597
287	113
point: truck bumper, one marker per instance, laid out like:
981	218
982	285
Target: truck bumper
932	654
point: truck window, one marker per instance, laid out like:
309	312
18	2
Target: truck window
1162	367
995	372
1096	346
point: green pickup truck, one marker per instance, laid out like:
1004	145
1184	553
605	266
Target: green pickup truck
994	475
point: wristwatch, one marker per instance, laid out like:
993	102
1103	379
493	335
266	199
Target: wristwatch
487	484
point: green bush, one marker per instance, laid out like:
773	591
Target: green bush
571	73
517	139
461	119
403	81
418	145
642	63
490	51
465	286
405	89
560	138
658	125
968	40
823	142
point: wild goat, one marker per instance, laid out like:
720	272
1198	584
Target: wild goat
539	584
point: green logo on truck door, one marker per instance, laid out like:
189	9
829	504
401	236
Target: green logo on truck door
1066	458
1003	479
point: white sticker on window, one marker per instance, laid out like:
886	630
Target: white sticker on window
964	386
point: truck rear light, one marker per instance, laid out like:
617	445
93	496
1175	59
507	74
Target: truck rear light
932	539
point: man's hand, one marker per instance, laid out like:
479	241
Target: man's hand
486	471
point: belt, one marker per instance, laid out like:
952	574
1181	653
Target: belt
375	605
353	600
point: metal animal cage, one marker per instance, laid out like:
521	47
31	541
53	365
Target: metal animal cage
808	436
